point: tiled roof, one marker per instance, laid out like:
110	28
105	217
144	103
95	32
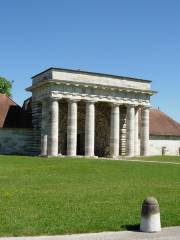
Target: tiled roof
162	125
12	115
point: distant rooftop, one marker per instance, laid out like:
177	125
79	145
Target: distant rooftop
162	125
12	115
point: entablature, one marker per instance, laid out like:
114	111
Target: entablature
63	90
91	87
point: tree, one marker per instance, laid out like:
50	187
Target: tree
5	86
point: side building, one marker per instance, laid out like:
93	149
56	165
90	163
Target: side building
164	134
16	132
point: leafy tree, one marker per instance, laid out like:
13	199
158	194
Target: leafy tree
5	86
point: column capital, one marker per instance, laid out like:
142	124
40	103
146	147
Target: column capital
131	105
55	95
73	100
52	98
115	104
137	107
145	107
90	101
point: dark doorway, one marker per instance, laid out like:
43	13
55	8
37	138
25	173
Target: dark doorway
63	144
80	143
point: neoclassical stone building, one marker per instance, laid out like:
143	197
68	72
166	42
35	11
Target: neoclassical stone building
90	114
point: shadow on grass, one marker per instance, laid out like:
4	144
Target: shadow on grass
131	227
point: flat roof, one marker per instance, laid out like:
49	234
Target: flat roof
91	73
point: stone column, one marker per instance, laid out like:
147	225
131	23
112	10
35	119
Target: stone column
114	135
44	127
130	130
145	131
72	128
136	132
89	128
53	127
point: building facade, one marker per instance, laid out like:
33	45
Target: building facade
90	114
164	136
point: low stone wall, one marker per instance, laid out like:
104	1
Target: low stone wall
27	142
170	144
18	141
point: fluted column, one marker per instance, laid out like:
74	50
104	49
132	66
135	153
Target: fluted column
72	128
136	132
44	128
53	127
114	135
89	128
130	130
145	131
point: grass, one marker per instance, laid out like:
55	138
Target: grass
175	159
46	196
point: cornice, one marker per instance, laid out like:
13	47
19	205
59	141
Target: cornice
77	84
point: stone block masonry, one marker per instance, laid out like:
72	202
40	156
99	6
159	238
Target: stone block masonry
19	141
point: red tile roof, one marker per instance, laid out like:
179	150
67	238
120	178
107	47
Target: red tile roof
162	125
12	115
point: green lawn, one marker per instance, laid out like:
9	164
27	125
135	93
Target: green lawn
160	158
41	196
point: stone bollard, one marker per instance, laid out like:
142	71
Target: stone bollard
150	216
164	151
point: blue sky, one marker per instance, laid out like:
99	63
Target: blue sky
137	38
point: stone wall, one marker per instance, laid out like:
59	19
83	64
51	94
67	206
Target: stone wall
36	122
36	115
157	143
18	141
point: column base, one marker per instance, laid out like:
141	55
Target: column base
80	156
144	155
71	156
42	155
115	157
86	156
58	155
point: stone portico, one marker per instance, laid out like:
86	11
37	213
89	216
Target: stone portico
90	114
